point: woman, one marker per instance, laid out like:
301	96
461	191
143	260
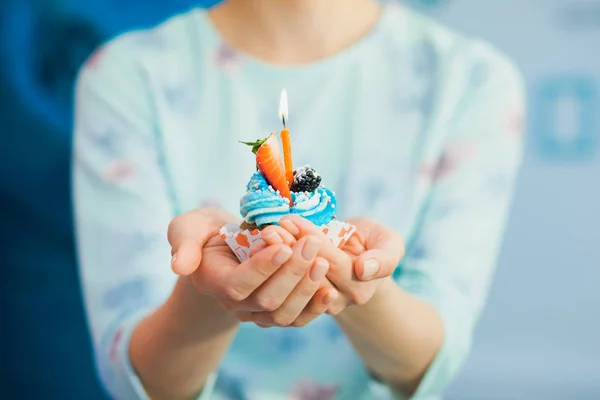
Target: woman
414	125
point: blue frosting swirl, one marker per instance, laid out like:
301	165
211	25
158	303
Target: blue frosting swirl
318	207
262	205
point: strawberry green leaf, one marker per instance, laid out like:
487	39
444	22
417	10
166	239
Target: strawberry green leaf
255	145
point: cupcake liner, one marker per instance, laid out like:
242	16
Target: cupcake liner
241	241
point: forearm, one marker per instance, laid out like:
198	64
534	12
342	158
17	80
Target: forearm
396	334
176	348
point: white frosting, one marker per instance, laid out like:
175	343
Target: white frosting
305	203
281	209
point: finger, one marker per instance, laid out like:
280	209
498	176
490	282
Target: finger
276	234
193	229
187	258
301	295
317	306
199	225
257	247
338	305
243	316
342	268
371	265
217	264
300	227
271	238
355	245
387	249
252	273
273	235
276	289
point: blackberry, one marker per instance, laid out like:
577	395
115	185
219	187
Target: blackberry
306	179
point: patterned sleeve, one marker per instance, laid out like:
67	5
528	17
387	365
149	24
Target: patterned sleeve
451	259
123	206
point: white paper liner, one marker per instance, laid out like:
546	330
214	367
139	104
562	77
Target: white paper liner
242	241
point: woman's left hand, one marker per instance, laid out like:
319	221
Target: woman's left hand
357	270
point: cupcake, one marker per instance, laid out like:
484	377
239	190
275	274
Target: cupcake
274	191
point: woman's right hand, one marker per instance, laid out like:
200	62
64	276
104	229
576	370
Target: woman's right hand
282	282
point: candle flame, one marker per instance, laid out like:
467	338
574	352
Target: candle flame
283	106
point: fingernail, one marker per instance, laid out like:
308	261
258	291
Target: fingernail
331	296
289	226
282	256
273	238
319	270
311	248
370	268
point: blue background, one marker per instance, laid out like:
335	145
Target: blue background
44	341
540	336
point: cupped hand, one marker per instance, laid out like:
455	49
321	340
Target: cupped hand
360	266
293	295
278	286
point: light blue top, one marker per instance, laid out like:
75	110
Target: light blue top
415	125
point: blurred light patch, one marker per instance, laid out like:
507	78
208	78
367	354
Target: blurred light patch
428	3
565	118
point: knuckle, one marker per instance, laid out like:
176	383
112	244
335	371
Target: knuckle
341	261
268	303
264	269
176	224
345	259
282	320
177	220
314	313
234	294
299	323
297	269
243	316
361	297
172	227
371	221
308	289
334	310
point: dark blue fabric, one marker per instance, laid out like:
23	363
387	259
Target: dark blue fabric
46	350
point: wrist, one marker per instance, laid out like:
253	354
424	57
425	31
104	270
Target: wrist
385	290
177	347
191	311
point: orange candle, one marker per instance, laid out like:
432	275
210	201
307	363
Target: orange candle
285	139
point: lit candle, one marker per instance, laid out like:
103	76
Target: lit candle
285	138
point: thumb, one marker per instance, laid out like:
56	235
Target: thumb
188	233
374	264
385	250
187	257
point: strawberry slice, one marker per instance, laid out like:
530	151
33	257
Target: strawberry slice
268	161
